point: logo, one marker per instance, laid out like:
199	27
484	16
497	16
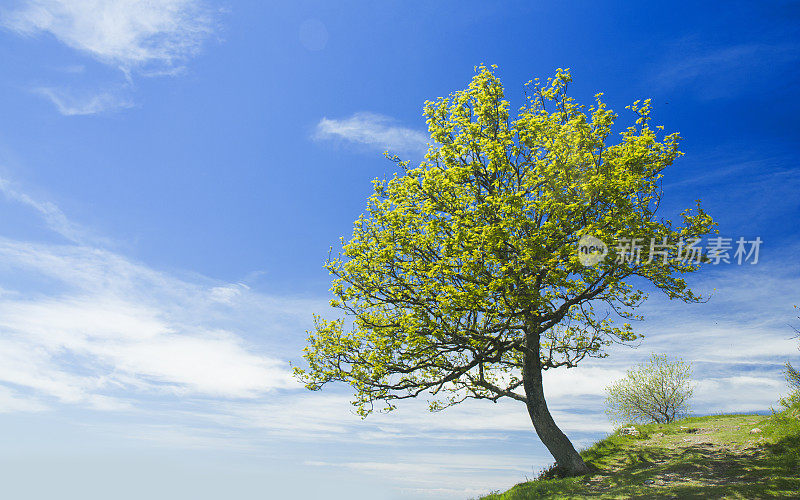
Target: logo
591	250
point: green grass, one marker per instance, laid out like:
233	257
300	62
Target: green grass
699	457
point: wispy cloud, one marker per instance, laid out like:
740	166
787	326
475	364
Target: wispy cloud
146	38
716	72
83	325
48	211
106	326
11	402
69	104
374	130
127	33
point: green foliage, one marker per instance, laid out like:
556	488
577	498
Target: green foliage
784	430
656	391
459	263
793	380
792	377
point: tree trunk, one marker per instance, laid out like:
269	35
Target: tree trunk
568	460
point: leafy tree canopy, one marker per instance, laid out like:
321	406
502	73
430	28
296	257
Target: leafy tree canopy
462	280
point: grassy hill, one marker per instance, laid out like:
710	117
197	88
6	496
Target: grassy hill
701	457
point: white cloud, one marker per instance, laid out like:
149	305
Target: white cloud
126	33
329	417
149	38
373	130
83	325
11	402
69	104
49	212
585	380
226	294
722	394
96	332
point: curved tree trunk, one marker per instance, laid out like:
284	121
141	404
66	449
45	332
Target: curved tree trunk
568	460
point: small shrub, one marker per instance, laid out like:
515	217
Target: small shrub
656	391
793	379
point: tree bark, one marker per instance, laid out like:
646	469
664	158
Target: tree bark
568	460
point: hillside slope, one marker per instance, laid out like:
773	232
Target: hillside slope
718	456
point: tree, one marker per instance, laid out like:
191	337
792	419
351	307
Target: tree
462	279
656	391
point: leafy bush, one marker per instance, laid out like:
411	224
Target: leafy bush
793	379
656	391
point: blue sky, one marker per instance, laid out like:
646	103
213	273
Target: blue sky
173	174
